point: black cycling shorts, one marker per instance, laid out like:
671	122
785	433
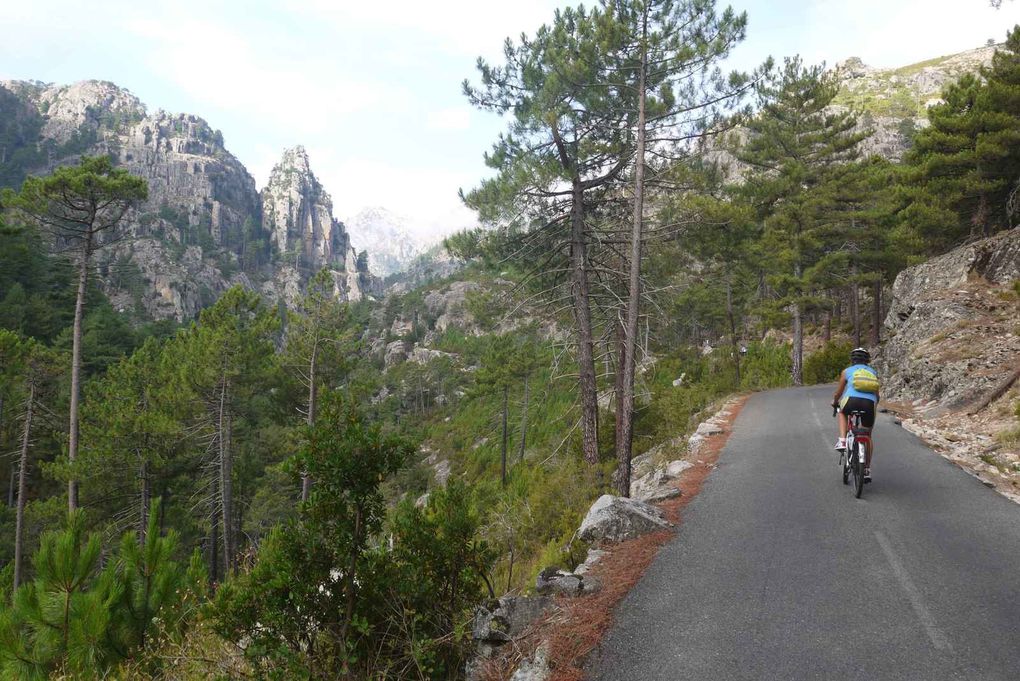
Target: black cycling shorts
866	406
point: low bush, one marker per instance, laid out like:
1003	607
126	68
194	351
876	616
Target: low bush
824	365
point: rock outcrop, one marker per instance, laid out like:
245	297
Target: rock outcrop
953	328
297	215
204	227
895	101
616	519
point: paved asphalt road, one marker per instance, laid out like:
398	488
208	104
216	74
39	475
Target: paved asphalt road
778	572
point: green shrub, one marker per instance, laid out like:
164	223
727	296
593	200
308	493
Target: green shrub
766	365
824	366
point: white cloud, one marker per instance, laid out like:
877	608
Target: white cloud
890	34
222	68
461	27
452	118
426	194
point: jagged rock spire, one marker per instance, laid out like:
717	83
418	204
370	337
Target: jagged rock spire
297	213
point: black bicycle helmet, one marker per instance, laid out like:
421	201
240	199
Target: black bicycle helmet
859	356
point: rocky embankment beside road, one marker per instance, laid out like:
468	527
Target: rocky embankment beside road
546	635
951	365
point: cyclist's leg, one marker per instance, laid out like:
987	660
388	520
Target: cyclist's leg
843	418
868	421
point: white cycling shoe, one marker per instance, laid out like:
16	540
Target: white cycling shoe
840	444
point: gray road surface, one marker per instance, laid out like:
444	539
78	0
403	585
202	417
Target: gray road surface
778	572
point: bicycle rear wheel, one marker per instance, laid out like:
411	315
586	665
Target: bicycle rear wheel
858	456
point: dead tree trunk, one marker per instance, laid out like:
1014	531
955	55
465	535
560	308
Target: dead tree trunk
582	315
306	480
143	518
214	538
625	437
226	476
19	522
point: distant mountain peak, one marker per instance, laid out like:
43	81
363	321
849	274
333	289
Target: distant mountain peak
388	238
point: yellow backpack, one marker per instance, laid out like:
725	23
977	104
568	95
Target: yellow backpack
864	381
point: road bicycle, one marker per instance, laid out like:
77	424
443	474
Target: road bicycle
854	457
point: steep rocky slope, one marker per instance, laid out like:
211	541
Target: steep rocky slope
204	227
895	102
950	366
892	103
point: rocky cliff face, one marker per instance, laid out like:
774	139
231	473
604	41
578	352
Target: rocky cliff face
204	227
954	328
297	214
895	102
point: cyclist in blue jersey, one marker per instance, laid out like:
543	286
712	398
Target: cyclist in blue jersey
848	398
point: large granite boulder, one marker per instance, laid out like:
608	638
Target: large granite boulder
616	519
502	620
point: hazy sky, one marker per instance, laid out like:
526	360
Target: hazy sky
372	88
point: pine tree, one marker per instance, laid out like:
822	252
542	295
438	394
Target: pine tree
27	373
315	345
998	147
223	359
666	56
135	424
798	151
505	364
965	167
148	584
563	148
80	206
59	622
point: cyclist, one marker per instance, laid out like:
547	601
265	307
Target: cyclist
857	391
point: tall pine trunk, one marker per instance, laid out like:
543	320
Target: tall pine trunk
19	522
733	327
855	305
79	311
306	480
503	448
226	477
582	316
146	501
625	438
876	314
214	539
798	334
524	416
618	381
